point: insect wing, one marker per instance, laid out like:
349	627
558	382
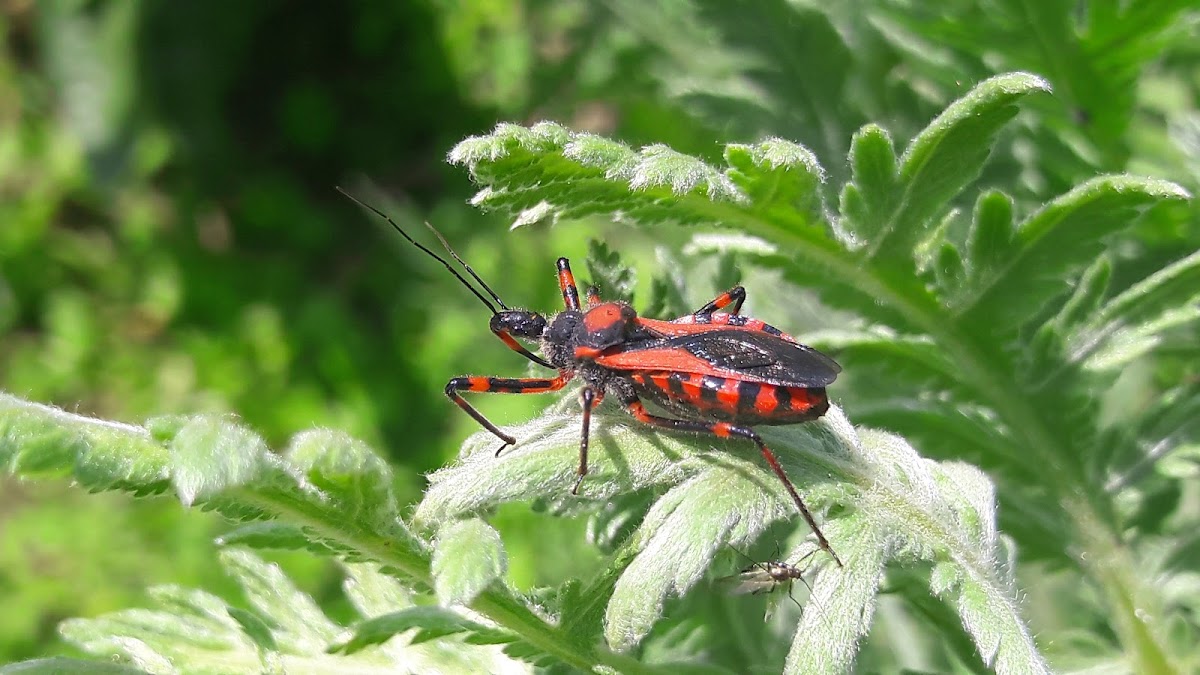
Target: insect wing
745	355
747	582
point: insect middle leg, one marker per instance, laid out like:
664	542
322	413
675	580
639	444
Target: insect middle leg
590	398
726	430
500	385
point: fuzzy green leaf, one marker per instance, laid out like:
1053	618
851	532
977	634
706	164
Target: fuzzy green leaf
39	440
943	159
269	535
1051	244
350	520
931	512
347	471
841	605
298	623
558	174
1168	291
210	455
60	665
429	622
867	201
469	556
678	540
1087	296
195	632
780	176
990	239
1127	344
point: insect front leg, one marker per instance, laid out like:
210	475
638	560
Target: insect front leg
726	430
500	385
734	296
566	282
519	348
590	398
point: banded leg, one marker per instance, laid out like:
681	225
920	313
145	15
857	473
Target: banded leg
590	399
500	385
726	430
566	282
734	296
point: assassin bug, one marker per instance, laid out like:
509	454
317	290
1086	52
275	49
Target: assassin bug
718	372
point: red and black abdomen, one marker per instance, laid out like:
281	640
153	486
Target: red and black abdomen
726	399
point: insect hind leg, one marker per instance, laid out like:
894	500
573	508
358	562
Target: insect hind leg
726	430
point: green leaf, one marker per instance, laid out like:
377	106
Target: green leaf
1127	344
867	200
39	440
197	632
468	557
841	605
347	471
932	512
127	457
778	175
554	173
755	77
949	272
944	158
372	592
990	240
917	362
624	457
1087	296
1167	291
61	665
678	540
298	624
429	623
270	535
255	628
210	455
1051	244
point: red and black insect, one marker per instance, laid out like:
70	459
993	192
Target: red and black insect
718	372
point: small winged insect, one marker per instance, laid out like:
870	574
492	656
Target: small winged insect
716	371
764	577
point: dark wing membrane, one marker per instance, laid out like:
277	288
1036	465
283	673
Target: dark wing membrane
751	355
763	357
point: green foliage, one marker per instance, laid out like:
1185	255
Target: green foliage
873	261
725	499
1000	285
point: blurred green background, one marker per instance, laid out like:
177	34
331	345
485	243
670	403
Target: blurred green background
171	242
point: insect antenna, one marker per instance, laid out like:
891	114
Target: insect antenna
446	245
433	255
